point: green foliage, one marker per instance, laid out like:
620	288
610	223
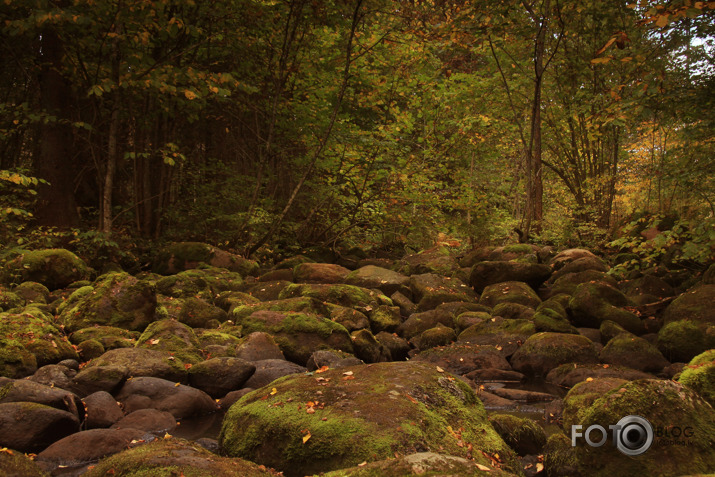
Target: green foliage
677	241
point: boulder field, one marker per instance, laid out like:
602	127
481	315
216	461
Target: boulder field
433	364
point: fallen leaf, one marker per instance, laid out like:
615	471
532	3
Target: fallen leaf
188	365
322	369
539	466
362	464
167	436
588	380
440	370
6	450
306	437
177	385
348	373
153	342
274	391
483	467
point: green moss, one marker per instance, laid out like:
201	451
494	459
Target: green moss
560	459
681	340
18	464
384	318
521	248
90	349
54	268
15	361
664	404
345	295
174	337
509	292
385	408
109	336
523	435
36	332
299	304
699	375
548	319
170	458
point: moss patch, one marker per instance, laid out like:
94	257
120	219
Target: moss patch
699	375
368	414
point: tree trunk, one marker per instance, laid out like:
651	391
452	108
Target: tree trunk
56	203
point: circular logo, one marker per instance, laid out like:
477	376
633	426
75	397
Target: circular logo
634	435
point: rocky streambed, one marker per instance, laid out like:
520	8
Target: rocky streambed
429	365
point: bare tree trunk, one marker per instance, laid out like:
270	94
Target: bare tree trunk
56	203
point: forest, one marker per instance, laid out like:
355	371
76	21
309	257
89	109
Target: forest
266	127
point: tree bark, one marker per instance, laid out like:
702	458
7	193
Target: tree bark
56	202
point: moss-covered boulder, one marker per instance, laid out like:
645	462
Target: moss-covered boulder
593	303
299	334
509	292
216	343
367	348
303	304
626	349
569	375
110	337
695	305
32	292
544	351
548	319
666	405
583	394
350	318
229	300
463	358
646	289
506	335
568	282
308	272
440	335
172	337
193	311
436	260
385	280
118	299
55	268
10	300
682	340
37	333
488	273
523	435
20	465
142	362
430	290
559	457
306	424
384	318
187	255
429	464
173	457
339	294
699	375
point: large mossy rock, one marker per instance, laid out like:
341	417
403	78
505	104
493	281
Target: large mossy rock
339	294
593	303
117	299
626	349
301	304
509	292
55	268
31	339
182	256
666	405
695	305
699	375
423	463
430	290
299	334
434	260
141	362
319	273
488	273
309	424
506	335
371	276
682	340
171	458
544	351
172	337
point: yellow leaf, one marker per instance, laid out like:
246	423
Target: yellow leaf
189	94
306	437
177	385
440	370
274	391
362	464
603	59
167	436
588	380
348	373
483	467
539	467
